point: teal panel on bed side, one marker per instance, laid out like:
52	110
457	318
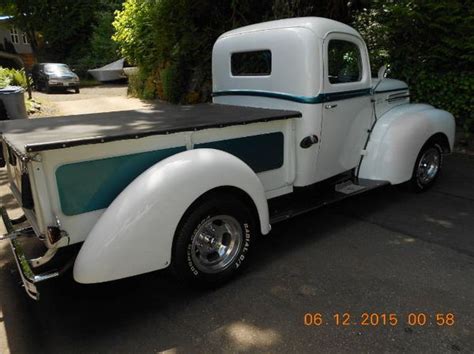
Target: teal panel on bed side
261	152
93	185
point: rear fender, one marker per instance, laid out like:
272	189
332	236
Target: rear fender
398	137
135	234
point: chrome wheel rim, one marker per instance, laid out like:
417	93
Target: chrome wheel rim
428	166
216	243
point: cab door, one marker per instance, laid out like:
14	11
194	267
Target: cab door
346	107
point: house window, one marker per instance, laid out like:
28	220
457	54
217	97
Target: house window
24	38
14	35
257	63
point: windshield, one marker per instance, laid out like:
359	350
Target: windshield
56	69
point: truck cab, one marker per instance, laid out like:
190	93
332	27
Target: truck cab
316	66
297	122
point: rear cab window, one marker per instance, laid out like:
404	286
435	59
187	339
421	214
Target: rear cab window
252	63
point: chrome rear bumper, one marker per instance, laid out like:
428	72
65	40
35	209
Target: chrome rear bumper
29	278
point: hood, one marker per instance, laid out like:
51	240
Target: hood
390	93
388	85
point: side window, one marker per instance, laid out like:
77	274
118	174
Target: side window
256	63
344	62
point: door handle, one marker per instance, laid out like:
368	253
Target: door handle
329	106
308	141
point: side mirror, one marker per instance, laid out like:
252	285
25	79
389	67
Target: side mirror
383	72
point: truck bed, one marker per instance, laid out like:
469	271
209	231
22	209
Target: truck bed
33	135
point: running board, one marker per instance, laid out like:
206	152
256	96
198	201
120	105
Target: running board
307	199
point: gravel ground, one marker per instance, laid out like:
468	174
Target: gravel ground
103	98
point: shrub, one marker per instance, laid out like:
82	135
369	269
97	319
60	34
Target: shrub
172	81
429	44
135	84
450	91
13	77
176	37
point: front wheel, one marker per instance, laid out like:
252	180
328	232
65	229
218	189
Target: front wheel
427	166
213	241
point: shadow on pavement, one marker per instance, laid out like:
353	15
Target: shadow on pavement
377	252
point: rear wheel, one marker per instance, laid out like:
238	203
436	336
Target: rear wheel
213	241
427	166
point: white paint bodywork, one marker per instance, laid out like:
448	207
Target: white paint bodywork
389	93
135	233
296	68
345	122
398	137
46	197
299	59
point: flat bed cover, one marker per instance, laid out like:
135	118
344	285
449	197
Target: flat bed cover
39	134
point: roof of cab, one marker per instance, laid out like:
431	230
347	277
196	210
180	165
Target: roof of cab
320	26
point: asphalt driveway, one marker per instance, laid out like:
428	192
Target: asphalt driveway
387	252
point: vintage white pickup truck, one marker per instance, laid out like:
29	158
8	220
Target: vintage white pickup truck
297	122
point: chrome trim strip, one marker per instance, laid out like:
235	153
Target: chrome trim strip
392	90
397	97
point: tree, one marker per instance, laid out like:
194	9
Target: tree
63	24
429	44
432	34
99	48
171	40
16	9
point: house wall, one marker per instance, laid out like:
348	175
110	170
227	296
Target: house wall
16	43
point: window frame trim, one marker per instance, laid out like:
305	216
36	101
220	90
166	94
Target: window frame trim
24	38
14	34
365	82
360	64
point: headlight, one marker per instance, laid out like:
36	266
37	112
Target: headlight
53	81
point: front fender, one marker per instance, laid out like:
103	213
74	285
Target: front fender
398	137
135	233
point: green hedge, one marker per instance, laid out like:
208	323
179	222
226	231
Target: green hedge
171	42
451	91
429	44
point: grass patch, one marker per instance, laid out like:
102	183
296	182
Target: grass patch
32	106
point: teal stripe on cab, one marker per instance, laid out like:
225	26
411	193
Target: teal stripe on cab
261	152
93	185
321	98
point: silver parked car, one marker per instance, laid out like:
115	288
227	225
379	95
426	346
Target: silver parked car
54	75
